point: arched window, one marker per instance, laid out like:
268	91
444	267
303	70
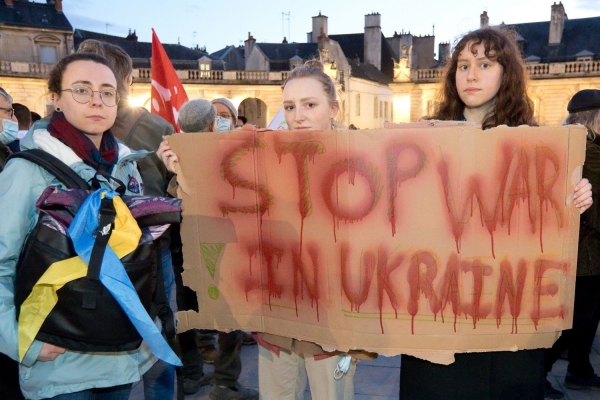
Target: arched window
47	48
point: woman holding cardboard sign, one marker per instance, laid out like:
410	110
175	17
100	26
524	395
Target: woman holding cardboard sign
285	364
484	82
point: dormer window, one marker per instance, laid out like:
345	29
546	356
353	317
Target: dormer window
205	65
296	62
521	43
584	55
532	59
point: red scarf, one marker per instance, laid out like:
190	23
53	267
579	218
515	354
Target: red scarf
103	159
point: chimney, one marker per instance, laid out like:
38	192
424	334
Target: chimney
444	53
557	23
484	20
59	6
9	3
132	36
319	25
372	42
248	46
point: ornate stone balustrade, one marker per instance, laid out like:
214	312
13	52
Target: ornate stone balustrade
577	68
426	75
25	69
536	71
215	76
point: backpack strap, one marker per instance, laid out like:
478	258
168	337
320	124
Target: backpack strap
53	165
163	310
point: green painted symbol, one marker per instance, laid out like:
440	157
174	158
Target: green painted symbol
213	292
210	255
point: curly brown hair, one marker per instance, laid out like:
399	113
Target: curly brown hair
513	106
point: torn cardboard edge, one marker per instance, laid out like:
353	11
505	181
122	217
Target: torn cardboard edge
415	347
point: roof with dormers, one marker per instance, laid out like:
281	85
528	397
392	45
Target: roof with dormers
220	54
353	46
368	72
33	15
280	54
578	35
181	57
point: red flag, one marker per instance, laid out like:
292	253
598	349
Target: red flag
168	94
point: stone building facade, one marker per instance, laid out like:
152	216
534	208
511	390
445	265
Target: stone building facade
378	78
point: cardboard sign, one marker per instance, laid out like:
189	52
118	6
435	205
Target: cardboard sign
424	241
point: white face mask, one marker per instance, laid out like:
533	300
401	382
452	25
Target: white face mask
223	124
9	131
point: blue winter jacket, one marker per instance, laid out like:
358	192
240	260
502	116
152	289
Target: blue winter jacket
21	183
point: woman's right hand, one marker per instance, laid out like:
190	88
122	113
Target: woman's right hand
49	352
167	156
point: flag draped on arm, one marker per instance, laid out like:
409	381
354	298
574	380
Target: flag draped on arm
168	94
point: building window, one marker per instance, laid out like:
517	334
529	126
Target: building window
358	105
376	107
205	70
48	54
381	108
47	48
385	110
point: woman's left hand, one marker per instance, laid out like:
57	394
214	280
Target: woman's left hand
583	195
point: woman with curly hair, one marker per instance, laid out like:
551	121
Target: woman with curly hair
485	82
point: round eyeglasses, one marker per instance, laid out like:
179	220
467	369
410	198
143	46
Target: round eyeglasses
83	94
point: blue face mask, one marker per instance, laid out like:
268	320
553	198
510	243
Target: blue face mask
9	131
223	124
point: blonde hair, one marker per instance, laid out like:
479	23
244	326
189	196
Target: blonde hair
314	69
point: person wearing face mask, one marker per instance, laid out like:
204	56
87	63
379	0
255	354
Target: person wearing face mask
9	379
227	114
286	365
9	127
198	116
23	115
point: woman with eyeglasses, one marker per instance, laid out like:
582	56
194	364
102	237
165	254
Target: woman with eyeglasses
84	94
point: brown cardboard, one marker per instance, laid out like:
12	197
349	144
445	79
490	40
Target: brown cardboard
395	256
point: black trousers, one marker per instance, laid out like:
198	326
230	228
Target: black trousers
475	376
579	339
9	378
228	364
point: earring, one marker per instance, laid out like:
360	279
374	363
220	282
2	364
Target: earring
332	124
58	109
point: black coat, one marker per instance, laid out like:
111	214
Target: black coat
588	257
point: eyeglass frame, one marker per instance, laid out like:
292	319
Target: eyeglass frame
117	96
225	115
11	111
